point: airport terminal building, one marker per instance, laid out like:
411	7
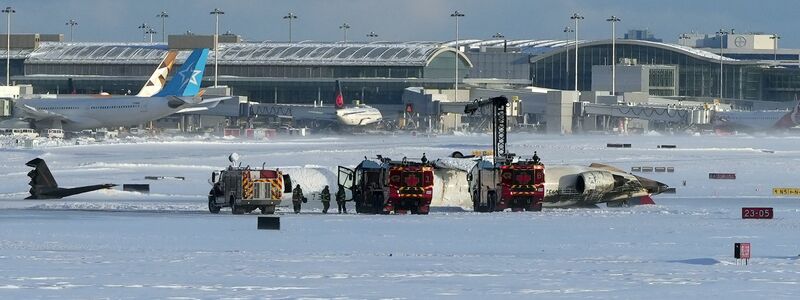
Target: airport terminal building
379	72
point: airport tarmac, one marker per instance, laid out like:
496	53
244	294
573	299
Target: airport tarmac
165	245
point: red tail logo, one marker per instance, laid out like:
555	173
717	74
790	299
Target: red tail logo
339	98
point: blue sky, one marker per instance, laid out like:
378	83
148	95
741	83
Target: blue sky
117	20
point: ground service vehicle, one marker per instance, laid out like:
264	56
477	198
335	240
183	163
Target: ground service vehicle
503	182
517	185
244	190
383	186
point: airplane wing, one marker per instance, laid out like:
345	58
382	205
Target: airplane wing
30	112
203	105
192	109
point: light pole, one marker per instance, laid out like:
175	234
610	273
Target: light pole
290	16
144	28
372	35
613	20
505	42
775	37
457	15
721	34
71	23
576	17
344	27
151	32
567	31
216	12
163	15
8	12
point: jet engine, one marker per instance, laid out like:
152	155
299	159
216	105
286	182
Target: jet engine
595	182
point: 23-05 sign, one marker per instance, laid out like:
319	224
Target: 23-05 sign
757	213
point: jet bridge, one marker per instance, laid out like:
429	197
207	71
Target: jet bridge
678	115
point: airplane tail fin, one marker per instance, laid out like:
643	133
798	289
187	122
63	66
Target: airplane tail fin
339	98
41	178
791	119
187	80
159	77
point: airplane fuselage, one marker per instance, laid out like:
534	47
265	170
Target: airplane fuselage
358	115
89	113
755	120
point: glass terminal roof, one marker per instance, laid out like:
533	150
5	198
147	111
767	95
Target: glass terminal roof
266	53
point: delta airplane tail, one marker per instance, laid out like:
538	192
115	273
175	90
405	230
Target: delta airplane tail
186	82
339	98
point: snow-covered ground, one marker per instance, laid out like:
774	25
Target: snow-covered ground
114	244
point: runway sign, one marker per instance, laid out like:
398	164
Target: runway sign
667	146
786	191
757	213
741	251
269	223
721	175
139	188
618	145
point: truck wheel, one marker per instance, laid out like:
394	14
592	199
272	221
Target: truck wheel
476	203
491	200
267	210
378	204
212	206
536	206
236	209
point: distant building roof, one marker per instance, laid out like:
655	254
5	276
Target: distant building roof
543	47
265	53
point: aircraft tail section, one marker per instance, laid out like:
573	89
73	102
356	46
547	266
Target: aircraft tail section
44	186
791	119
339	98
42	180
159	77
40	175
187	80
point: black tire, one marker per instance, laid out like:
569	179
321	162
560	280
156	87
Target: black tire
477	206
212	206
378	203
536	206
491	201
457	154
236	209
267	210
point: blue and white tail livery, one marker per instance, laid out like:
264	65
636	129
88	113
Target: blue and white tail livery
188	78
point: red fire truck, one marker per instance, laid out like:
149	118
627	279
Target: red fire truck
385	186
504	182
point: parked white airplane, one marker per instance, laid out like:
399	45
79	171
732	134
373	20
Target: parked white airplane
359	115
757	120
73	113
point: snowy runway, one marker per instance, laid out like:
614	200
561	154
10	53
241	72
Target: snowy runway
122	245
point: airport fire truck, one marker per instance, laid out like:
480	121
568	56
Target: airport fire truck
385	186
244	189
517	185
504	182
